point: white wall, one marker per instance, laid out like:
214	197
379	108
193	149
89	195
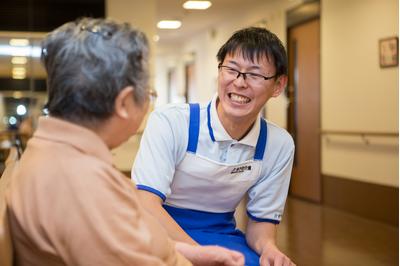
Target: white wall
356	94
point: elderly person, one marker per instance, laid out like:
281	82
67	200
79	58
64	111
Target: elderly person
67	204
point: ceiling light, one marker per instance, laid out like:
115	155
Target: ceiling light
12	120
21	109
19	42
19	60
169	24
18	73
8	50
197	4
156	38
17	95
17	76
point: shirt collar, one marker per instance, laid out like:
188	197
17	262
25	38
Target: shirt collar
79	137
220	133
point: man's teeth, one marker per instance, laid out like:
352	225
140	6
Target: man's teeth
239	98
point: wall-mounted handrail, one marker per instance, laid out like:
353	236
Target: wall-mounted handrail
363	134
360	133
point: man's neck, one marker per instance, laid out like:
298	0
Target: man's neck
236	128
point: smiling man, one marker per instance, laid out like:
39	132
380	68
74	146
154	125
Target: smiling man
196	162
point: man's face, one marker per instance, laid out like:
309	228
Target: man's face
242	99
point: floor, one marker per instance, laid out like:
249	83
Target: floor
315	235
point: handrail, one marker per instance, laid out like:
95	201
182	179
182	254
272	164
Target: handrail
359	133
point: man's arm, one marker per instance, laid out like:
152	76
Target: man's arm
153	204
261	237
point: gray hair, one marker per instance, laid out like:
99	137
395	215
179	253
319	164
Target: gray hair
88	62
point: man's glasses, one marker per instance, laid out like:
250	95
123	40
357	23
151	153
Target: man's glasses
252	79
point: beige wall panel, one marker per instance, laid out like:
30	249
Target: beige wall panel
356	94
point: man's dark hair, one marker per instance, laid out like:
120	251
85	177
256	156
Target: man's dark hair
255	43
88	62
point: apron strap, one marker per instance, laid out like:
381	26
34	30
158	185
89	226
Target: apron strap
261	142
209	122
194	127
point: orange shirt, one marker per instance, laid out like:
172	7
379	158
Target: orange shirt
67	205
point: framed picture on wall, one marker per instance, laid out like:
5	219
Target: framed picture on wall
389	52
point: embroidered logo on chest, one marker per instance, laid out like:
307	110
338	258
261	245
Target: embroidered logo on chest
241	169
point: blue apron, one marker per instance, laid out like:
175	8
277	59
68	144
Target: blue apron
201	185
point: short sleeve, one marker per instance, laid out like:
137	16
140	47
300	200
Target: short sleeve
268	196
162	147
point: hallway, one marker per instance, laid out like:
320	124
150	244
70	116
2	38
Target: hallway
311	235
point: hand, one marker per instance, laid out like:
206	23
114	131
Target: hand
272	256
210	255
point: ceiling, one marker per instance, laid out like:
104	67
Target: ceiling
45	15
31	18
194	21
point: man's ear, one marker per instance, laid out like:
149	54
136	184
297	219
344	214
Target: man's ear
123	101
280	85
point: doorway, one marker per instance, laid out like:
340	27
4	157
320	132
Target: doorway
303	114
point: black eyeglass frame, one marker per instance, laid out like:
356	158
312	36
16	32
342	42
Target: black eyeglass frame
246	73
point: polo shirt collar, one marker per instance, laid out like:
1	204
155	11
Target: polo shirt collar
220	133
79	137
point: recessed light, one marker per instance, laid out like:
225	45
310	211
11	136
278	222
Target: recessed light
197	4
19	42
18	72
169	24
19	60
18	76
21	109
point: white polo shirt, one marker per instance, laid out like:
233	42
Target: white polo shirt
164	143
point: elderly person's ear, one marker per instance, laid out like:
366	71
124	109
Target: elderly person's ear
123	102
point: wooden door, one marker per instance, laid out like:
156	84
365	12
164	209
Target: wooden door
190	83
304	108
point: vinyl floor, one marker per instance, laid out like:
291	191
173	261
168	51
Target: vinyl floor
315	235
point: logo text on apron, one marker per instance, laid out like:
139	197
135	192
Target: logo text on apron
241	169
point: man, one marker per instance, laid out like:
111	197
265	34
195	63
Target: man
195	163
67	204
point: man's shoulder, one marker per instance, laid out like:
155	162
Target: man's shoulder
279	135
172	112
176	114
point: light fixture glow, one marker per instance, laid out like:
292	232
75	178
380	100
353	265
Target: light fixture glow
16	76
19	42
18	73
19	70
33	51
12	120
19	60
156	38
17	94
196	4
21	109
169	24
